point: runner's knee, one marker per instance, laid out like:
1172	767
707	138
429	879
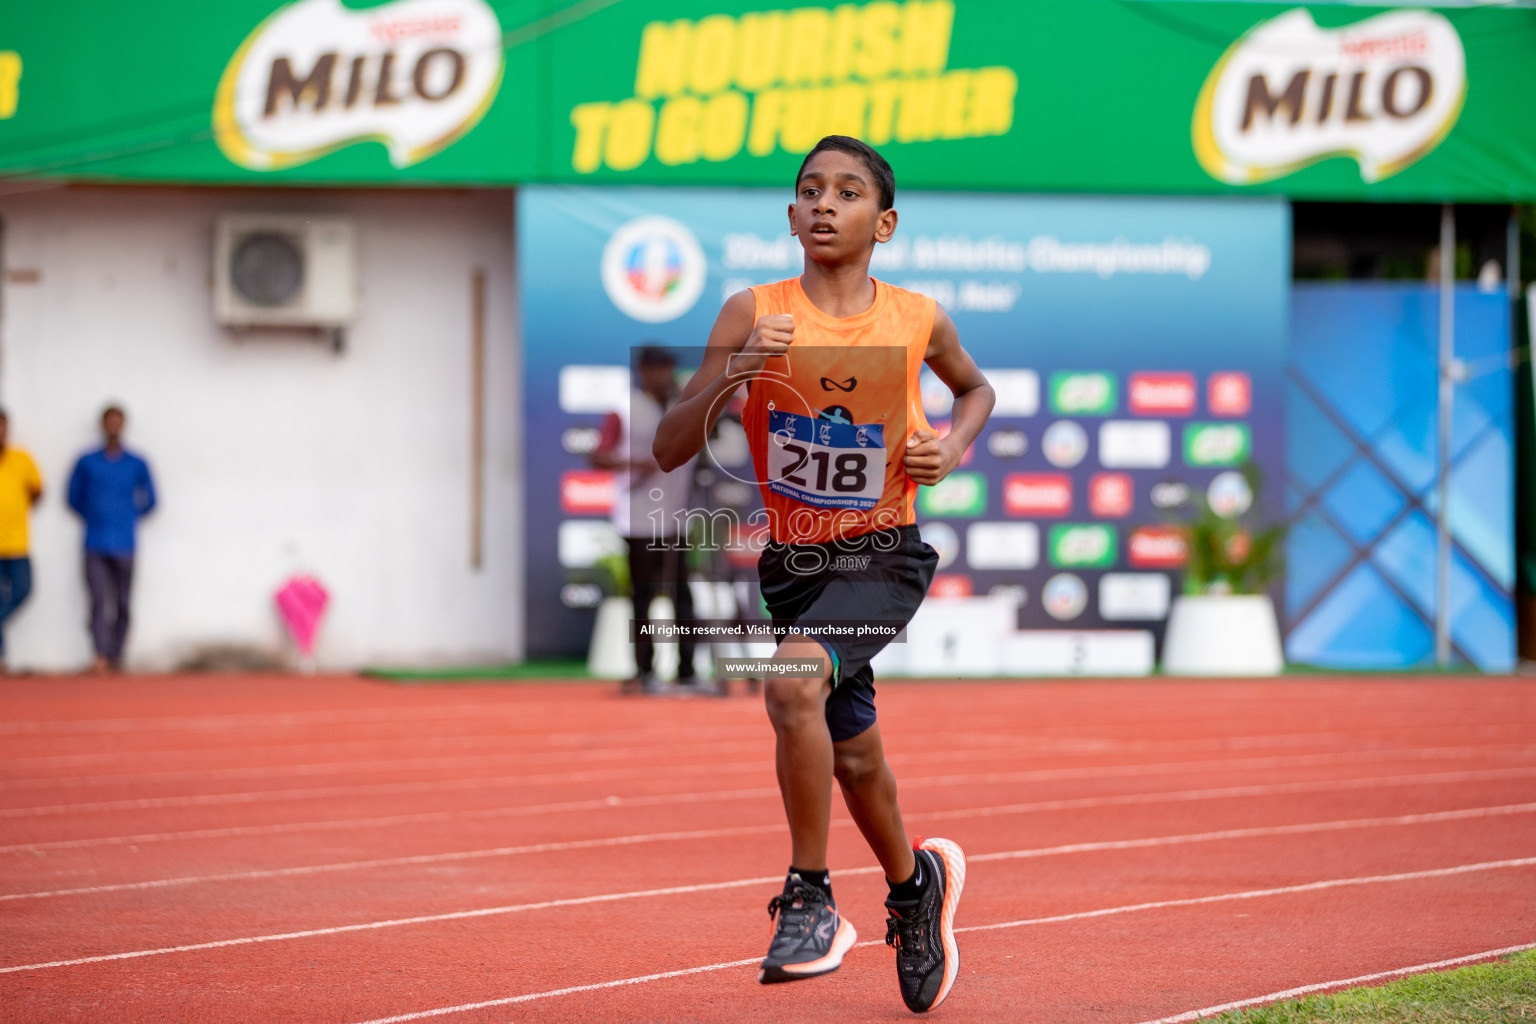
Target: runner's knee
854	769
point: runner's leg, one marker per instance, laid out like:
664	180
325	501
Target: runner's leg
803	752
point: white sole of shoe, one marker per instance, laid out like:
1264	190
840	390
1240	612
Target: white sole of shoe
954	881
842	942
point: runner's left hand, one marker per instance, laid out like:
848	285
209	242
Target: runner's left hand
928	458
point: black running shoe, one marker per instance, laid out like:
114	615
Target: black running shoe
923	930
809	938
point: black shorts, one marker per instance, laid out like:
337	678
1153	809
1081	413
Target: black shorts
875	578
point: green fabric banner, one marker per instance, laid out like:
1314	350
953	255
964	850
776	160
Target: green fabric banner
1138	96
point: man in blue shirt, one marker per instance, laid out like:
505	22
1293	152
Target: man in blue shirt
110	488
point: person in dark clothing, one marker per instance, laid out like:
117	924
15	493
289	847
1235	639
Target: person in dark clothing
110	489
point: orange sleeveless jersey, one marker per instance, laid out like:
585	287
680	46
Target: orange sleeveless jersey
828	421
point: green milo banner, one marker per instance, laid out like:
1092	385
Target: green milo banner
1323	101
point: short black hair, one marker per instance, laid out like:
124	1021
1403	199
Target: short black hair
879	169
109	410
655	355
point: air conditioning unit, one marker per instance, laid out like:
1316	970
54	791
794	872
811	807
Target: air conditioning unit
284	270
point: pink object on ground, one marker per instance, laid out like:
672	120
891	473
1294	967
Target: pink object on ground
301	602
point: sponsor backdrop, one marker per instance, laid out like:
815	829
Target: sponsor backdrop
1137	347
1329	101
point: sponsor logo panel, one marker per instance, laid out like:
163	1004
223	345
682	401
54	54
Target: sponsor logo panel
1007	444
1134	596
1083	394
1064	596
1018	392
587	492
1162	394
1111	495
1217	444
1229	494
1085	545
593	389
1229	394
1064	444
959	495
951	585
1135	444
1037	494
1003	545
1157	547
944	541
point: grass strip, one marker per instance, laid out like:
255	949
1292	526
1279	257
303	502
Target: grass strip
1500	991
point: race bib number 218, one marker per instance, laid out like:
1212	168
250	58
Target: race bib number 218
819	462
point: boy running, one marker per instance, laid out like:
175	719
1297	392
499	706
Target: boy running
838	485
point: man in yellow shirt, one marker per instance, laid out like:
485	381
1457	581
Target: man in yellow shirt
20	488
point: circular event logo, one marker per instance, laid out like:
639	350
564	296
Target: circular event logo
944	540
653	269
1229	494
1064	596
1065	444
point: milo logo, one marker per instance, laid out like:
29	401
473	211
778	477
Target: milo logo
1216	444
1088	545
1384	91
1082	394
317	76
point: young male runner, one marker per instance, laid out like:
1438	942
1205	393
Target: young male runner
840	444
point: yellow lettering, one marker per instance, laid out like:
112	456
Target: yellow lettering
714	54
925	28
803	119
806	61
877	40
882	111
677	130
761	51
725	126
10	83
955	105
918	111
629	134
589	120
845	30
663	58
767	117
844	109
992	93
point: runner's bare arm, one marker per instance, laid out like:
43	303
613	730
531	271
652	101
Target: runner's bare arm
737	350
930	458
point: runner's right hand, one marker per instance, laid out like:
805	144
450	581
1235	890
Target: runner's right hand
770	337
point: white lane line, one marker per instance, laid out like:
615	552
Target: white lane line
560	778
460	915
1430	817
1056	919
668	799
1322	986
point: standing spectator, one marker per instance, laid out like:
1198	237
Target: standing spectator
646	508
110	489
20	488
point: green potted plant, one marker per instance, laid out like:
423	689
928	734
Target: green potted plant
1224	623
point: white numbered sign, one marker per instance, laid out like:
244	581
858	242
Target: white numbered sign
831	465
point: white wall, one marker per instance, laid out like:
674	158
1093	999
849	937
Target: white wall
271	454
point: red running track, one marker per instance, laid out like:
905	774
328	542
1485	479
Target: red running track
338	850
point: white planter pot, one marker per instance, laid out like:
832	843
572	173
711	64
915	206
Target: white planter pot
1223	635
611	655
